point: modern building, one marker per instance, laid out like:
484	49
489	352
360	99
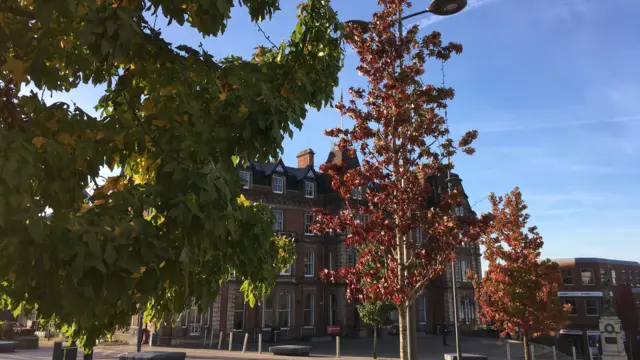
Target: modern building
582	289
301	305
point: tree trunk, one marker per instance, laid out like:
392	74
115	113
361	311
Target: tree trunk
375	341
412	332
402	325
525	341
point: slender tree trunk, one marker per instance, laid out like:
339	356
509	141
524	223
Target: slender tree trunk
375	341
402	324
525	341
412	332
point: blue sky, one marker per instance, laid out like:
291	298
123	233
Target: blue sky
553	87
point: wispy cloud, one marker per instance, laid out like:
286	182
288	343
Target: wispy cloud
511	127
432	19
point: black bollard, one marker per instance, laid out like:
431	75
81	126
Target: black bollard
57	350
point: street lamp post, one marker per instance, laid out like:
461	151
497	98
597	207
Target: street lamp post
440	8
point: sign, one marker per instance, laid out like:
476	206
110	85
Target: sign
581	293
570	332
333	330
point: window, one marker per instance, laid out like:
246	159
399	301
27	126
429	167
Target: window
245	179
287	271
351	258
333	309
309	263
238	311
267	311
308	221
574	308
419	236
592	307
422	310
460	210
614	281
602	274
464	269
309	189
638	277
624	276
356	193
279	224
309	310
467	311
284	310
567	276
277	184
331	261
587	276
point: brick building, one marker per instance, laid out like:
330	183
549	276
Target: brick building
582	288
301	305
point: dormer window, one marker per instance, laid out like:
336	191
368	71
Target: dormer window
245	179
278	184
309	189
356	193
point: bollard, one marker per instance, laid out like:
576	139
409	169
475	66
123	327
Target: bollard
533	352
204	338
590	354
211	340
260	343
150	339
244	344
230	340
338	346
57	350
220	339
573	350
553	350
508	350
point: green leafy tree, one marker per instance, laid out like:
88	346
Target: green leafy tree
170	226
377	314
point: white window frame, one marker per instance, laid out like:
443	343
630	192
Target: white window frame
331	261
459	210
592	282
309	189
357	193
309	308
309	263
247	184
308	221
586	307
236	311
278	225
288	310
333	308
422	306
614	281
273	184
287	271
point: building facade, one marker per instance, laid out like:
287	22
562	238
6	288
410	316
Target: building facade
301	305
582	289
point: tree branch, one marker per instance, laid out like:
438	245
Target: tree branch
19	12
273	45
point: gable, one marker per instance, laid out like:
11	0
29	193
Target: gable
279	168
310	174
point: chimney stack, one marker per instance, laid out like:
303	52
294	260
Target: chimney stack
305	158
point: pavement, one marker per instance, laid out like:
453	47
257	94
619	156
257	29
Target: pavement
429	348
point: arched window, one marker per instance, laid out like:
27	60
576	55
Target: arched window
284	310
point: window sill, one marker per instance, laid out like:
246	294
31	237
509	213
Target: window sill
309	276
309	197
278	192
591	315
309	327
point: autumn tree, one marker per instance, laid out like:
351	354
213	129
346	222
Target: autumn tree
519	291
403	143
173	121
627	311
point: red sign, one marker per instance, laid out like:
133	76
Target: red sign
333	330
